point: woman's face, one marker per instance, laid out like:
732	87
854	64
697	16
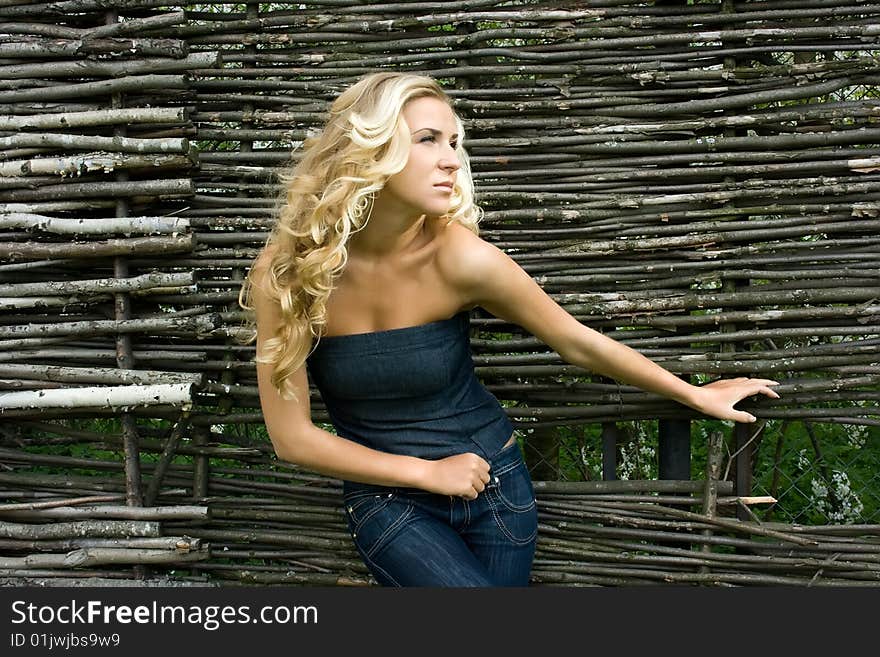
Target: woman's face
424	186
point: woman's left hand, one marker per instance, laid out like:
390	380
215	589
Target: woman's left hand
717	398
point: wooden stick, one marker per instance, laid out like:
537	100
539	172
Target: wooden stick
92	118
51	504
179	512
87	557
112	396
92	528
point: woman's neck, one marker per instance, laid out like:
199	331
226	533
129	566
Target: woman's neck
382	240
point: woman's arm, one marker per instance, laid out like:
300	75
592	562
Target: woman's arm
487	277
296	439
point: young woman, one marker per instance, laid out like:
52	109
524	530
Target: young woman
366	282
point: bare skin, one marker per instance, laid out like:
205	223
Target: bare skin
407	267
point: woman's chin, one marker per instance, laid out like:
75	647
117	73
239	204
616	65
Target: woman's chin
436	211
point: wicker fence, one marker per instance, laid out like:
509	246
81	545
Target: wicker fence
696	179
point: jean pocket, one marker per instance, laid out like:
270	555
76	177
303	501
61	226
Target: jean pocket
512	500
374	518
361	505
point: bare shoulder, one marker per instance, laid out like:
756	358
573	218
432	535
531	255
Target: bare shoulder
485	276
465	258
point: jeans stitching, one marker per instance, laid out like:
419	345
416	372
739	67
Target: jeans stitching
381	545
516	508
503	471
373	511
509	465
373	564
503	527
379	542
354	503
505	468
357	495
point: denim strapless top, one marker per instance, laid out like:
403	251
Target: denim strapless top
409	391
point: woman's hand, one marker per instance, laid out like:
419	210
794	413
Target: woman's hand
462	475
717	398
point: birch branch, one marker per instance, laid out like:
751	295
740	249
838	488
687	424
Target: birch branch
103	397
94	226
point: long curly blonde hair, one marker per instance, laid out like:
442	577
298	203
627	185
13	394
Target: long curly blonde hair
327	196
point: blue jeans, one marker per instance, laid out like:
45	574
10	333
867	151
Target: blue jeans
410	537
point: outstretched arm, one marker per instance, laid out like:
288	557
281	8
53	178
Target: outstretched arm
487	277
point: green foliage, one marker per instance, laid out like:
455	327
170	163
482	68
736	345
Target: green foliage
829	477
821	473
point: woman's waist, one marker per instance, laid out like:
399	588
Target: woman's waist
501	460
418	416
430	439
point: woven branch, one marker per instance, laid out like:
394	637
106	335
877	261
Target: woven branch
179	512
93	226
113	247
114	397
35	47
97	374
87	557
143	282
93	163
103	117
93	528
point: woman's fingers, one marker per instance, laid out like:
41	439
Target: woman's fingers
460	475
723	394
763	386
482	478
757	386
770	392
753	390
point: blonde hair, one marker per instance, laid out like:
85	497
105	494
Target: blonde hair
327	197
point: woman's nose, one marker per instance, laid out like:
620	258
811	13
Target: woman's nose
450	161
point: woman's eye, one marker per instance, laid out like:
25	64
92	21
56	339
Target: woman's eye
454	144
